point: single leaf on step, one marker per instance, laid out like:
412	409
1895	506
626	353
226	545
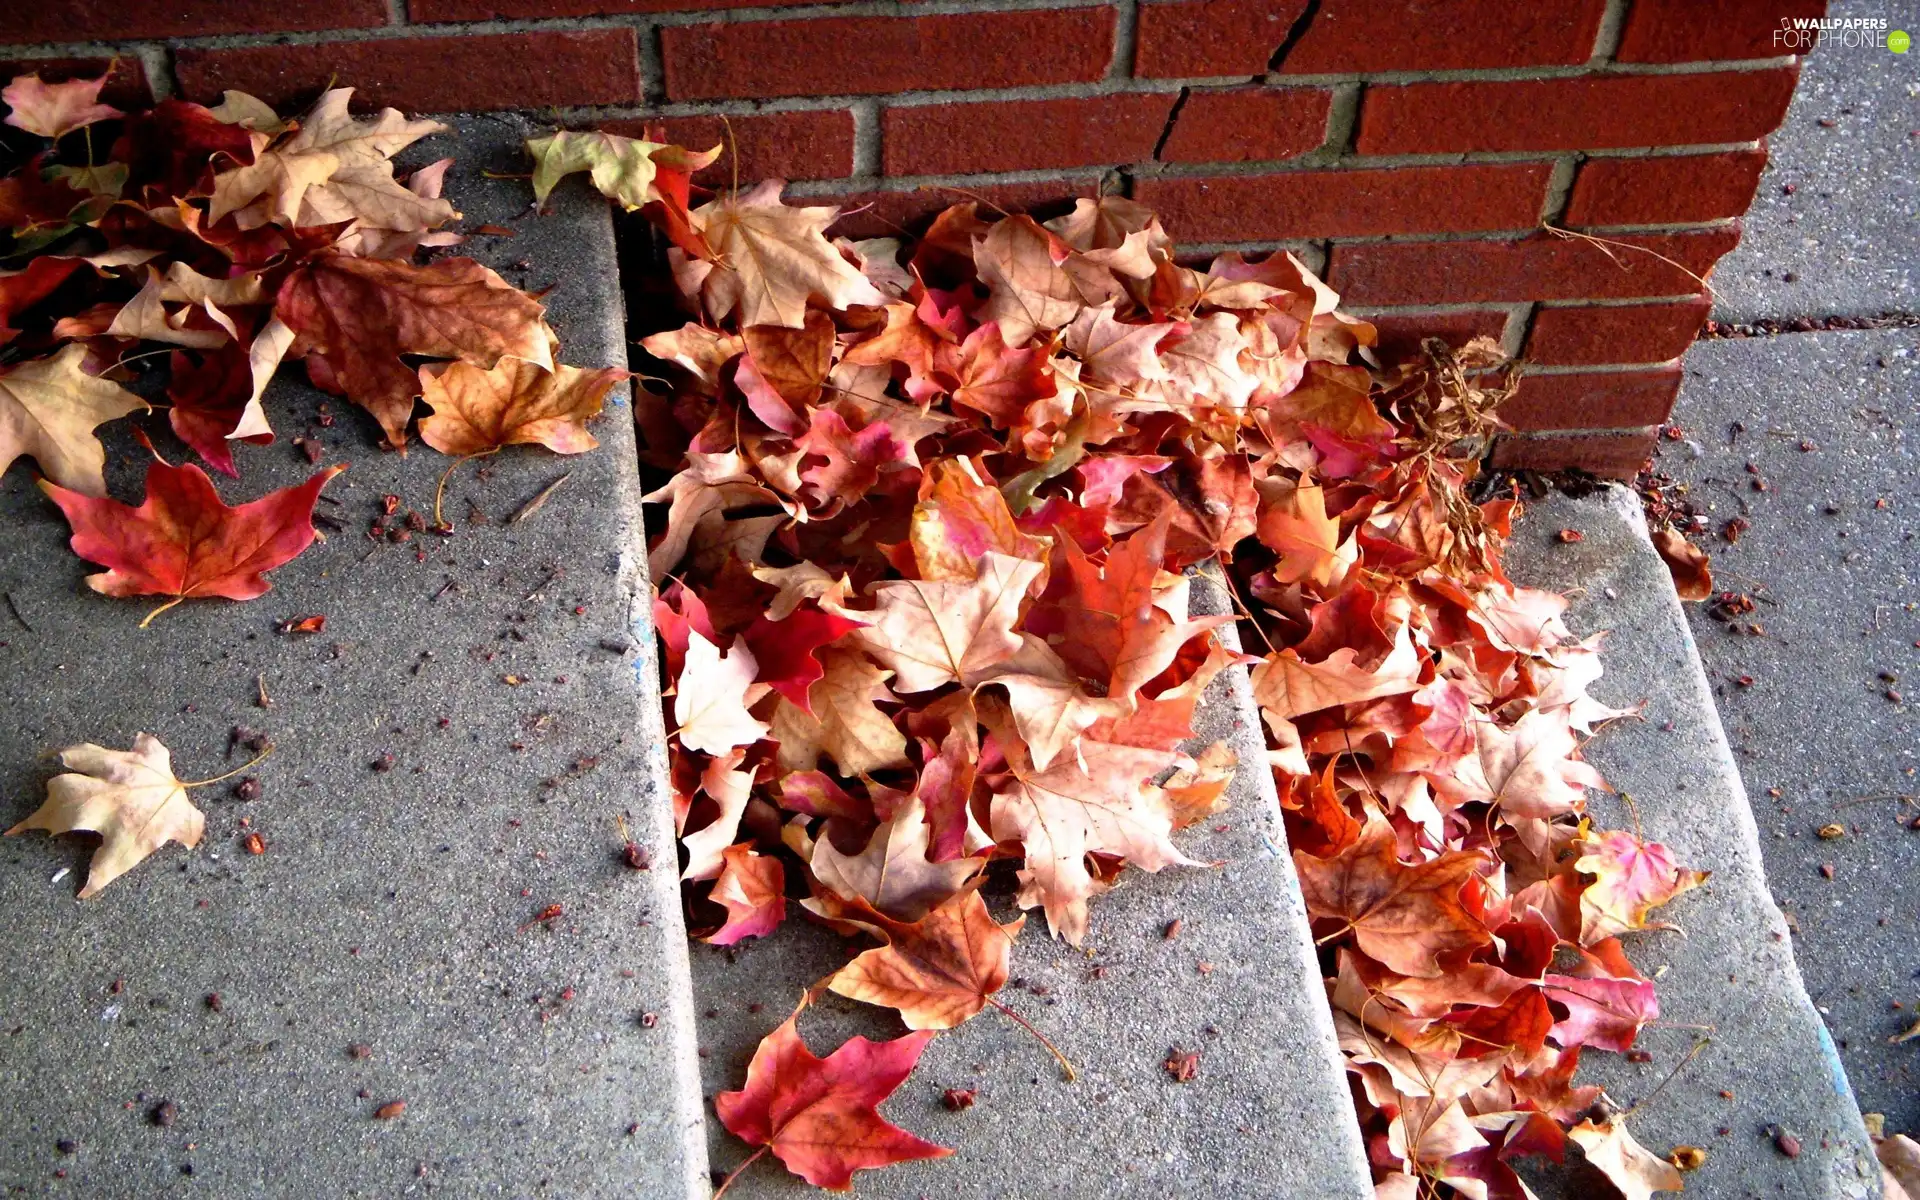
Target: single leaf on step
1631	879
184	542
129	797
1628	1165
622	168
819	1116
515	403
937	971
49	408
54	110
353	318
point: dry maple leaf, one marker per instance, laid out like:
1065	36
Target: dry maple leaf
1294	524
49	408
710	698
1692	571
938	633
1101	799
840	719
1631	879
893	873
1285	686
129	797
622	168
54	110
959	518
332	168
730	788
819	1116
353	318
771	259
476	411
1530	768
182	541
752	889
938	971
1628	1165
1403	915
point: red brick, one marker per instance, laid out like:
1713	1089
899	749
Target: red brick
1302	204
895	214
1533	268
119	20
1699	30
1402	332
787	145
876	55
1593	400
1666	189
1015	135
1630	333
126	89
1587	113
1248	125
1203	38
490	10
1616	454
1444	35
445	74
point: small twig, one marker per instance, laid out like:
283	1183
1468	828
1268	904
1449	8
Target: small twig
446	587
541	586
1066	1068
1604	243
1671	1075
260	686
533	506
13	607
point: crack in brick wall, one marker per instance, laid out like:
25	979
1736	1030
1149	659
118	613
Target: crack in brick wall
1410	151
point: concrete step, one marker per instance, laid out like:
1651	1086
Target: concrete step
391	909
1267	1114
1731	978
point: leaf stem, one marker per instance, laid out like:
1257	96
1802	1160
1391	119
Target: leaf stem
248	766
1066	1068
728	1181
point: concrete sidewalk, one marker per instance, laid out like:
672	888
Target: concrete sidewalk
419	812
1817	684
1833	229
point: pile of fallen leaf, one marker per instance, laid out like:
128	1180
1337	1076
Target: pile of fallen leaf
936	515
187	251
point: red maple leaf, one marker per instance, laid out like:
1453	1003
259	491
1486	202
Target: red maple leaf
818	1116
183	541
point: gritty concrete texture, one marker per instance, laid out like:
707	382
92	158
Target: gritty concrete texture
392	909
1731	978
1844	241
1836	579
1268	1113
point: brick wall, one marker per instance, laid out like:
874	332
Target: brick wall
1411	149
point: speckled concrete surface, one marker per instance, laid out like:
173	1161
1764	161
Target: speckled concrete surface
1832	557
1845	240
391	908
1268	1113
1731	977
